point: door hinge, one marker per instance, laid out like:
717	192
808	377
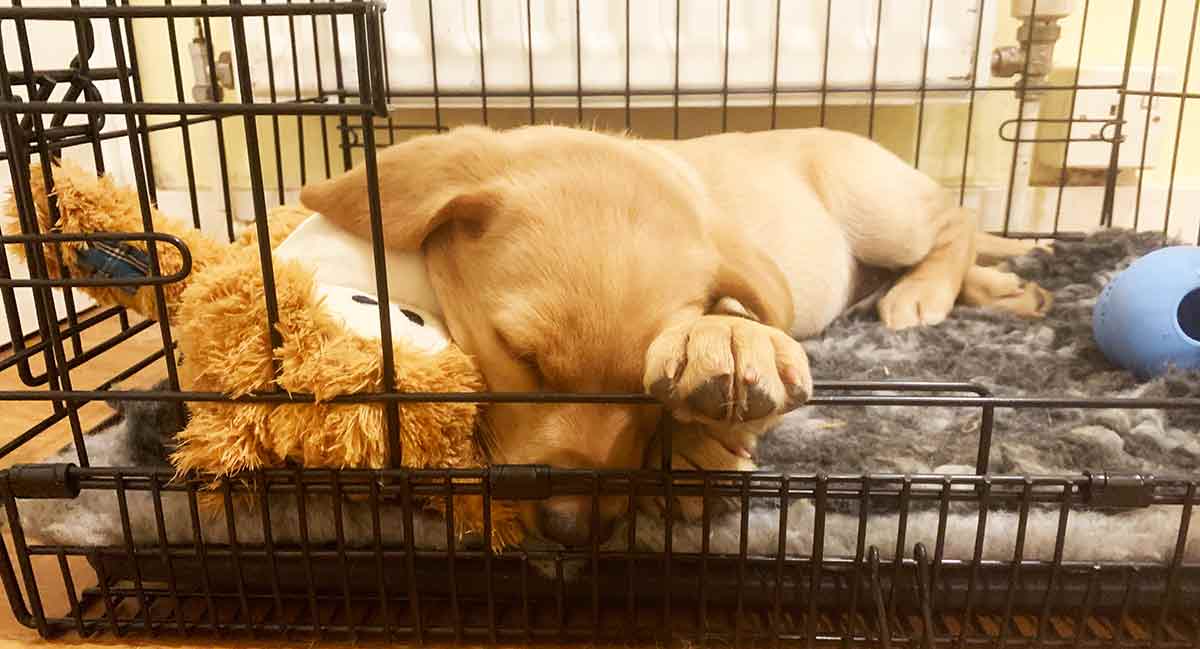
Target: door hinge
41	480
1119	490
519	481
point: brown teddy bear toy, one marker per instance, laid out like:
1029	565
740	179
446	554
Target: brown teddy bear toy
328	329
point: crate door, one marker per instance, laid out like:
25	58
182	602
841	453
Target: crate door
52	46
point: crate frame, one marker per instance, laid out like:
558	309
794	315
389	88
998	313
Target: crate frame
869	598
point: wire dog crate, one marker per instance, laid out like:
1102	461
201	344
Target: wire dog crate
283	92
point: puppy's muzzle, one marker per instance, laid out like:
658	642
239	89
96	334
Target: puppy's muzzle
569	520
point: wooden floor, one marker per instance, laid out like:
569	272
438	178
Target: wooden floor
17	417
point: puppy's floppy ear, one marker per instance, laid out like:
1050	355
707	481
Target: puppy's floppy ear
423	183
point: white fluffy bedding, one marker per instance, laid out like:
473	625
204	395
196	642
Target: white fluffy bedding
93	519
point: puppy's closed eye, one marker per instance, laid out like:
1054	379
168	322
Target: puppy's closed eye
530	362
527	359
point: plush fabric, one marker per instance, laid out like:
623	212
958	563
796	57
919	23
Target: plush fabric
90	203
1052	357
339	258
143	434
219	320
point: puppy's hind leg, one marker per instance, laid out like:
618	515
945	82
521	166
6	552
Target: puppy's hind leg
993	288
898	219
991	250
926	292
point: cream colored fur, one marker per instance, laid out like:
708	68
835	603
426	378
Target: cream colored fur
569	260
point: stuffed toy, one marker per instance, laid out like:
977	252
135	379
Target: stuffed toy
328	327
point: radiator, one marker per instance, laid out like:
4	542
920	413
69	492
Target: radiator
586	46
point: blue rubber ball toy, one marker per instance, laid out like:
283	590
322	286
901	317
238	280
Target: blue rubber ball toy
1147	319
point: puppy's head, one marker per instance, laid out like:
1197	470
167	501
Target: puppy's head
558	256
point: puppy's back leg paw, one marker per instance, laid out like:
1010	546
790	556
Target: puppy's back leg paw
997	289
916	301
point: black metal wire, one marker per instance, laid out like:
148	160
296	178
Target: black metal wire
529	60
1062	177
219	127
1017	142
874	89
54	355
189	164
303	151
825	58
131	551
85	42
483	89
628	60
198	541
1110	179
1014	577
340	85
578	66
472	593
1187	72
69	588
146	160
41	12
273	96
321	93
725	69
675	90
1137	201
1133	403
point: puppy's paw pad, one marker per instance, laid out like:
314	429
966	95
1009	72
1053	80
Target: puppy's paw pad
1029	300
726	369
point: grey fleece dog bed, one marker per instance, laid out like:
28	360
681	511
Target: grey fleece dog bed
1054	356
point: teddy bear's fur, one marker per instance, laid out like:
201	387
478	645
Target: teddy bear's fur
219	319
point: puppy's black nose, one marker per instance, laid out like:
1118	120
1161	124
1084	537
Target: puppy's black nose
568	520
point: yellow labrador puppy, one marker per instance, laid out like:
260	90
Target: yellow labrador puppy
570	260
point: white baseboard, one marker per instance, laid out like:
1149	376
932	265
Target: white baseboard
1081	208
1079	212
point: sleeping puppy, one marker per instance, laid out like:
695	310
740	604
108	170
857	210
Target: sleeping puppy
568	260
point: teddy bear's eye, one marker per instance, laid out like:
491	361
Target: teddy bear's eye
413	317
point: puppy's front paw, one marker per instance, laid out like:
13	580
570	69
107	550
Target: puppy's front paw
723	370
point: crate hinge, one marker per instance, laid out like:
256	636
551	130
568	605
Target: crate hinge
41	480
1119	490
519	481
